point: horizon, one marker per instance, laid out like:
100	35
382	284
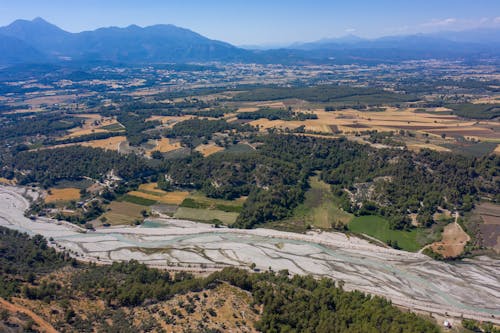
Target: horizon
230	22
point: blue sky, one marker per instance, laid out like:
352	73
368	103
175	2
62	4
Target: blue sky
264	22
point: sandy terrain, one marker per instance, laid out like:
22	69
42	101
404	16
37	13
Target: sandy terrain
497	150
470	288
453	242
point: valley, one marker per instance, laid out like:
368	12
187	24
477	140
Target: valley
468	289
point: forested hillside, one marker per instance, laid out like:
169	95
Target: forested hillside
283	304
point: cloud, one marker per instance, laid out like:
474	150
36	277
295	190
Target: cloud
350	30
440	23
496	20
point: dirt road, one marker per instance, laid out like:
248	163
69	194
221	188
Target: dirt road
41	323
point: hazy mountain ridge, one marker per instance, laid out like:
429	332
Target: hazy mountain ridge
157	43
37	41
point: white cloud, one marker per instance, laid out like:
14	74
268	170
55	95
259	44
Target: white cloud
440	23
350	30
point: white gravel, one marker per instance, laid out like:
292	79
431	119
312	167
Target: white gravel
470	288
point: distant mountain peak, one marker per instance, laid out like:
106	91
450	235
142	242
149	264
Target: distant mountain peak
39	19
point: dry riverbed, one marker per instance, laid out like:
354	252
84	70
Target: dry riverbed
470	288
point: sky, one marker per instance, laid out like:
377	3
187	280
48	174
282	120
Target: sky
261	22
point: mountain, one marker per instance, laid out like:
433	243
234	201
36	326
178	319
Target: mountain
158	43
407	47
38	33
14	51
39	41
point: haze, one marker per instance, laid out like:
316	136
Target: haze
265	22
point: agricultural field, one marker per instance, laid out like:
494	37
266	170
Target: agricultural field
151	192
206	215
377	227
208	149
199	207
62	194
123	213
486	217
112	143
164	145
320	209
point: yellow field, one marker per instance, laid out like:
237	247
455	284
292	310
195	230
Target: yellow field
63	194
271	105
169	119
54	99
93	124
109	143
419	146
7	181
151	192
164	145
248	109
207	150
80	132
392	119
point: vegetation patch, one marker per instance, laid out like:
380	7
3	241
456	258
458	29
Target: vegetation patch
320	208
137	200
476	111
378	228
206	215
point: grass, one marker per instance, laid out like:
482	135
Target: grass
378	228
206	215
473	149
137	200
200	201
239	148
116	127
320	208
79	183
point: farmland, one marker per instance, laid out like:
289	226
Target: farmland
319	210
377	227
62	194
151	192
123	213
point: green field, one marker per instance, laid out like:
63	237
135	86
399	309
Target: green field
378	228
200	201
320	208
205	215
116	127
137	200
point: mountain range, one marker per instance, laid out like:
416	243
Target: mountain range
38	41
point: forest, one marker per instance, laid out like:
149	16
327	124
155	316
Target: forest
325	94
290	304
275	176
